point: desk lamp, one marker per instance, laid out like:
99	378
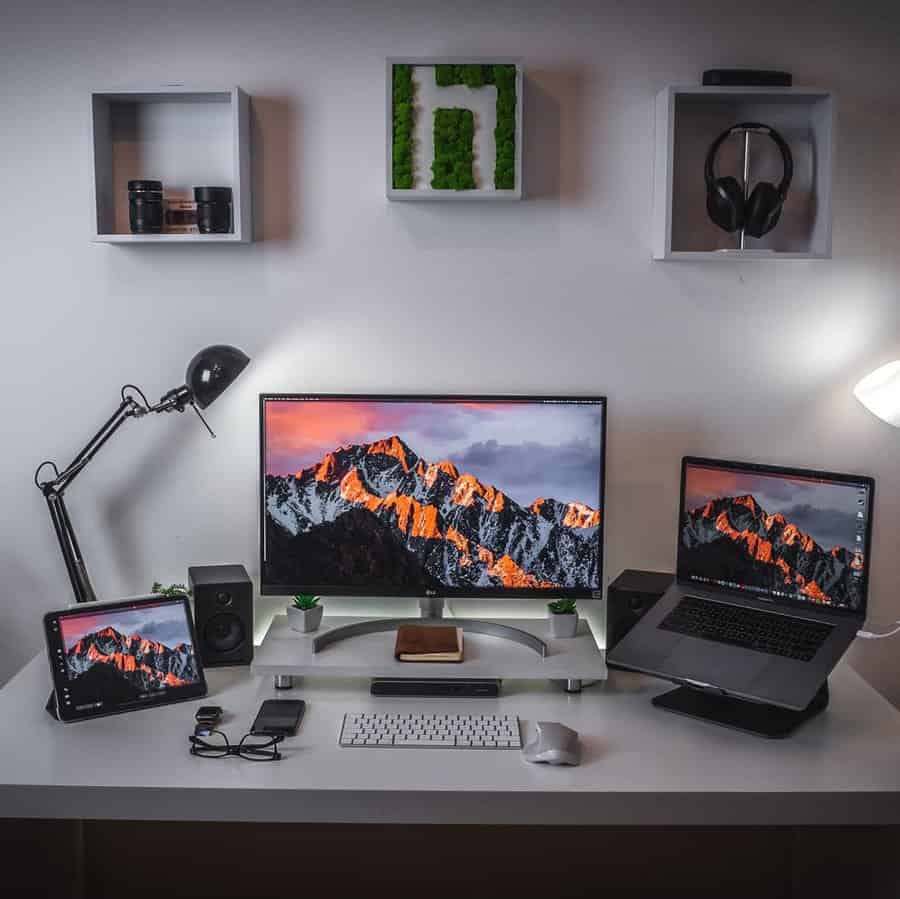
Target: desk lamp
879	392
208	374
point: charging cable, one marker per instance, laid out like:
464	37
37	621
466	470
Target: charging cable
869	635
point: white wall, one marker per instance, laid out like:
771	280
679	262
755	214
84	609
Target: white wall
346	292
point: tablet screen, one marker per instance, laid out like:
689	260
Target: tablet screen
119	656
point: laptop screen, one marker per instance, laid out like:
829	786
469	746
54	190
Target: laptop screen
780	534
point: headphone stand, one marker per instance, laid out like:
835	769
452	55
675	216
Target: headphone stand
746	181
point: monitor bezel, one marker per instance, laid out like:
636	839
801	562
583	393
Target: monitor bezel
272	589
757	468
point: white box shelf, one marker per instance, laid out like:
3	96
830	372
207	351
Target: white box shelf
688	119
175	134
482	101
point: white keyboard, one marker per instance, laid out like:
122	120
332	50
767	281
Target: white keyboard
431	731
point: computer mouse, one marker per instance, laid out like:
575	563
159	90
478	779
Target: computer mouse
554	744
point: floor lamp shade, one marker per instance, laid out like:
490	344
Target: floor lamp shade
879	392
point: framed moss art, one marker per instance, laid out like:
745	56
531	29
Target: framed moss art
454	129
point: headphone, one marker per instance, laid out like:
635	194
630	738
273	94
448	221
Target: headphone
725	203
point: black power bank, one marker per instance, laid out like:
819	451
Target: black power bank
279	717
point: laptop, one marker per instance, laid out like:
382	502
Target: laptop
771	585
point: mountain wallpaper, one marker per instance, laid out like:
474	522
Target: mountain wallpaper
793	538
473	495
119	652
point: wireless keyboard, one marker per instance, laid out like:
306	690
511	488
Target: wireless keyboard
424	731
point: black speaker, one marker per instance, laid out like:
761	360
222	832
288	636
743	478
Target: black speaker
628	599
223	613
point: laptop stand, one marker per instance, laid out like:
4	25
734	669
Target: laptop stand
774	722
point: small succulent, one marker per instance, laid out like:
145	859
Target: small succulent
171	590
562	606
305	601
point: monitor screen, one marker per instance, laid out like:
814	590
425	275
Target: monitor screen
432	496
781	534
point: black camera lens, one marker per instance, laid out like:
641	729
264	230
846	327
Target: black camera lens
213	210
145	207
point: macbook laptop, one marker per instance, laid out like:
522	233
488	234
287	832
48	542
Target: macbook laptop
771	585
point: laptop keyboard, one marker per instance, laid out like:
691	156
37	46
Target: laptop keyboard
780	635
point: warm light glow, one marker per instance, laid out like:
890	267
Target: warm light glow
879	392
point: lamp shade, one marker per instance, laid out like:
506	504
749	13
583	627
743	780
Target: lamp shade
212	370
879	392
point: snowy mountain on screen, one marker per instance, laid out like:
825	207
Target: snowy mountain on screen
459	531
145	664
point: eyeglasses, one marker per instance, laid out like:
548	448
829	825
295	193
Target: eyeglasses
215	745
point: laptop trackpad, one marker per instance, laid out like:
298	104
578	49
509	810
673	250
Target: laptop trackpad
715	663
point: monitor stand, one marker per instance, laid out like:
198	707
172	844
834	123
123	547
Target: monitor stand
774	722
432	611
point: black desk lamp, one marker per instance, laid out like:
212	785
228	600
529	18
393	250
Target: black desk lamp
208	374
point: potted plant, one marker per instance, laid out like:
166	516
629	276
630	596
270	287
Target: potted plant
305	613
563	618
171	590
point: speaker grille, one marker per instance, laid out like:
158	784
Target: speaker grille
224	633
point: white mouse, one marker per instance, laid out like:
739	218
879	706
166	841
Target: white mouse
554	744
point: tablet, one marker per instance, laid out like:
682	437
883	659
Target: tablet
107	658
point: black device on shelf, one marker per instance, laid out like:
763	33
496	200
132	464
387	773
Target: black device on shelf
223	611
459	688
747	78
208	374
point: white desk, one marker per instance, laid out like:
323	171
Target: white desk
641	766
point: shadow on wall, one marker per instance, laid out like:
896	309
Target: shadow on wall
553	139
122	511
643	462
274	162
21	635
553	172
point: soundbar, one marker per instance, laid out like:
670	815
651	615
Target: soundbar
458	687
746	78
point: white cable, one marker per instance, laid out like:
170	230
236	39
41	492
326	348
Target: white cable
868	635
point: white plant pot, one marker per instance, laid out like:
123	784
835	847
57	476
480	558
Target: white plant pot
563	626
305	620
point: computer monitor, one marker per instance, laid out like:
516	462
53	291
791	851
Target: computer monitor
785	535
432	496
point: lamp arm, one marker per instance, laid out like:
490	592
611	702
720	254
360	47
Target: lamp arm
54	489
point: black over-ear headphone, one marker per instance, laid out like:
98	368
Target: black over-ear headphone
759	213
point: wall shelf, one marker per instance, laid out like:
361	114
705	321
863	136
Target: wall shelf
482	101
688	119
179	135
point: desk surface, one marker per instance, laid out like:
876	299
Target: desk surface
640	765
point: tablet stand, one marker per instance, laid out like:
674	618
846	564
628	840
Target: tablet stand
50	706
774	722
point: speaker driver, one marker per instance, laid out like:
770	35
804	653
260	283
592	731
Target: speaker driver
224	633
